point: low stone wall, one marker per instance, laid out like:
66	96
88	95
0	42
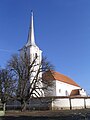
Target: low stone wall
60	103
70	103
87	102
77	103
53	103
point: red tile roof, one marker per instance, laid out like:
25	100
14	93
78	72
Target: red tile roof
53	75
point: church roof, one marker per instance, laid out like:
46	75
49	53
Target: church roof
53	75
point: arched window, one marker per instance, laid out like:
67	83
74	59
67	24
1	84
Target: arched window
66	93
59	90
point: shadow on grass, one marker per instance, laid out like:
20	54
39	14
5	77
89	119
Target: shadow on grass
37	118
43	118
30	118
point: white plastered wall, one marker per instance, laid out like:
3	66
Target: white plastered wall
59	104
62	87
77	103
87	101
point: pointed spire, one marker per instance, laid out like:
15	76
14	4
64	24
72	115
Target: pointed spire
31	37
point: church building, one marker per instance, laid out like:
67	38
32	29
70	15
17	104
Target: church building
63	85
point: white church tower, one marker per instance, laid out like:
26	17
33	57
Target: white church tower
31	46
32	51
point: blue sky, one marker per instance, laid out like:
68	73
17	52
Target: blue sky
62	31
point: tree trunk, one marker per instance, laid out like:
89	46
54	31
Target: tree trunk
23	106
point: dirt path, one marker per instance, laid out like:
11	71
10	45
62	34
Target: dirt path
49	113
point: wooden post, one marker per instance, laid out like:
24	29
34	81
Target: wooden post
4	107
84	103
70	103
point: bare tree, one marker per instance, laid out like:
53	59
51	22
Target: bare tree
23	70
7	85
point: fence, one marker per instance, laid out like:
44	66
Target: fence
59	103
52	103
